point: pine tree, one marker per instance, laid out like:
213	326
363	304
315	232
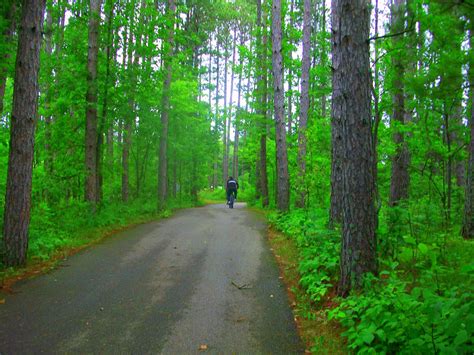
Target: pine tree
22	134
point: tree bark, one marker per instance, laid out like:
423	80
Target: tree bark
351	107
22	134
400	178
216	120
283	188
235	162
104	119
468	223
290	71
261	176
127	132
48	161
234	43
304	104
225	158
165	107
7	37
91	110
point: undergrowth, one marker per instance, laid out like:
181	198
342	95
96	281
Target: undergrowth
421	302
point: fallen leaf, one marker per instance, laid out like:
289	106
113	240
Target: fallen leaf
2	301
203	347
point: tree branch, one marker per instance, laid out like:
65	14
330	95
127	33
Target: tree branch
390	35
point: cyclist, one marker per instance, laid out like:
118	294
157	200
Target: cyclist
231	188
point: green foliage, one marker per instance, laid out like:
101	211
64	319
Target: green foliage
68	226
424	302
319	249
392	317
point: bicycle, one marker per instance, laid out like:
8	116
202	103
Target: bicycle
231	200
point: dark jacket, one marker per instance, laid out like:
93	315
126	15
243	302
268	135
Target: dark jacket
232	185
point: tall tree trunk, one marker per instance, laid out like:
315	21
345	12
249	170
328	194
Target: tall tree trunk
165	107
351	106
468	223
304	105
7	37
234	40
262	178
127	131
290	71
458	141
283	188
104	120
22	134
335	211
235	161
48	162
213	173
91	100
376	97
400	177
225	158
323	59
216	121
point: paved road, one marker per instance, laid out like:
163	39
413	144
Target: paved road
164	287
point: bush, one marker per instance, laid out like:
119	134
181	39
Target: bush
319	249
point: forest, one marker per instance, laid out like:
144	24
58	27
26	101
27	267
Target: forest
349	123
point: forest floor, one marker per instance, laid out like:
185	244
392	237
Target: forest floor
202	280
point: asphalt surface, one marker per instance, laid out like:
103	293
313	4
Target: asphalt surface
168	287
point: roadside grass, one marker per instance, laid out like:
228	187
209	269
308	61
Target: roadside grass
58	233
320	335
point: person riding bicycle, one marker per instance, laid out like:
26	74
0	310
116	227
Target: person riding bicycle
232	186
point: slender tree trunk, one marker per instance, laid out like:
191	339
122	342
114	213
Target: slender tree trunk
377	114
283	188
304	104
165	107
323	59
231	102
48	162
335	214
290	71
235	162
213	173
104	119
22	134
91	99
468	223
458	141
127	132
225	158
351	107
7	37
262	178
216	154
400	177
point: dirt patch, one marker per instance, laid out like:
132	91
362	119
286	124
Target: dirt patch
320	335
